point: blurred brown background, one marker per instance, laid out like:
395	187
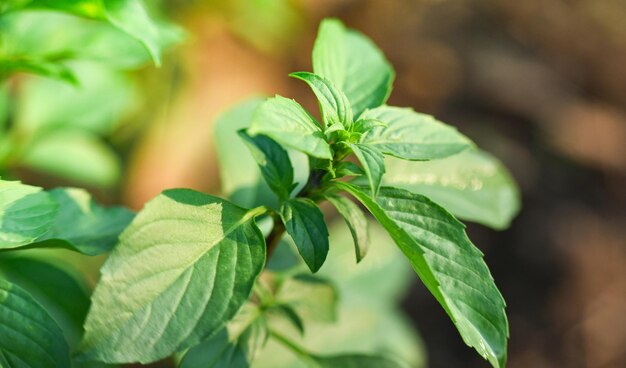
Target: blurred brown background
540	83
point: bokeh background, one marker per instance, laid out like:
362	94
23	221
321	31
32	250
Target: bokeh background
539	83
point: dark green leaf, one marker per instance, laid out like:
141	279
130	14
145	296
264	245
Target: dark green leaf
273	161
55	286
413	136
373	164
83	225
473	185
239	174
182	269
234	346
448	263
286	122
353	64
26	213
356	221
29	337
305	224
334	104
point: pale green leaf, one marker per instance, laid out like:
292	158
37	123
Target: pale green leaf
413	136
131	17
273	161
472	185
182	269
83	225
353	361
74	155
97	105
290	314
304	222
26	213
356	221
311	298
236	345
334	104
368	319
373	163
343	360
29	337
286	122
40	66
353	64
68	37
365	125
447	262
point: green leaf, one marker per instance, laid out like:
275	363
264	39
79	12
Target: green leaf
286	122
413	136
83	225
353	361
74	155
356	221
273	161
368	319
40	66
26	213
350	360
130	16
472	185
46	104
287	312
365	125
59	290
29	337
334	104
311	298
182	269
373	164
447	262
347	168
305	224
69	38
353	64
234	346
240	177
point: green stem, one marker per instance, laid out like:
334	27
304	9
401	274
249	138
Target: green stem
290	344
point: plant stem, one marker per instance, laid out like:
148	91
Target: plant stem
273	239
290	344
